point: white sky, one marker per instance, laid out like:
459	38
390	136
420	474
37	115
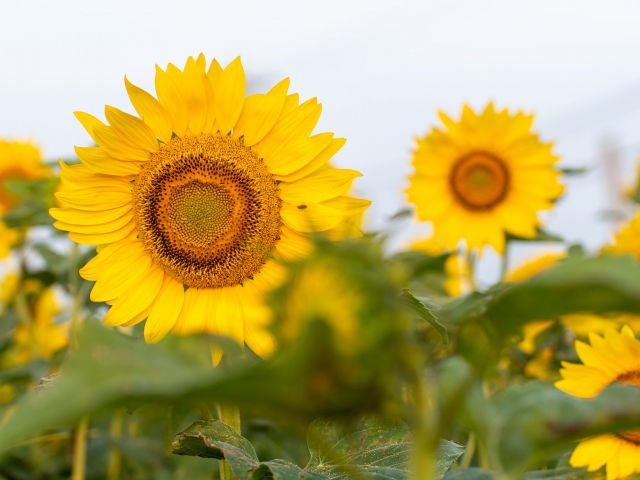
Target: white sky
381	69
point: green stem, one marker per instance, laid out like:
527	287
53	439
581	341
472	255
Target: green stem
115	457
24	314
504	265
80	450
471	268
229	414
468	454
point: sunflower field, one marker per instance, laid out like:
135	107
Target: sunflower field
196	295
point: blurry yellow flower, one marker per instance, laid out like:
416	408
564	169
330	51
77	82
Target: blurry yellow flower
538	367
8	288
204	189
44	337
627	239
18	161
530	332
8	238
612	359
323	292
584	323
483	176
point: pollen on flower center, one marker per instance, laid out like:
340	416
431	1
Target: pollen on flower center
207	210
479	181
629	378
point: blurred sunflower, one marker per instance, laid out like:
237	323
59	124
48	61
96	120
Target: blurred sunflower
482	177
627	240
612	359
193	201
18	161
44	337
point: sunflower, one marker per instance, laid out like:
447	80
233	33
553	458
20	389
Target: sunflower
193	202
612	359
626	241
483	177
18	161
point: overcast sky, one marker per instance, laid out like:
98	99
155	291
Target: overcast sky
380	69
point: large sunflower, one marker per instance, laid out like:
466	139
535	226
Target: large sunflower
612	359
482	177
193	201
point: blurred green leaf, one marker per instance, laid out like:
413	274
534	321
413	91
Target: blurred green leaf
416	306
36	198
205	437
597	285
541	236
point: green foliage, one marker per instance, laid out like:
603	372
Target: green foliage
36	198
372	449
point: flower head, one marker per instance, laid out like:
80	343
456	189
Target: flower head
193	201
614	358
482	177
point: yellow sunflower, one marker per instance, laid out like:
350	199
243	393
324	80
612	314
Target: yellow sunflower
193	201
612	359
626	241
482	177
18	161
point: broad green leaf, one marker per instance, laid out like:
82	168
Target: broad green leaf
416	306
471	473
377	449
374	449
598	285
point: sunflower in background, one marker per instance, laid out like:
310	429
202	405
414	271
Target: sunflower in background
482	177
193	202
18	161
612	359
626	241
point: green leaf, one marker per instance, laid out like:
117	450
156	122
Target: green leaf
198	440
599	285
35	199
374	449
416	306
471	473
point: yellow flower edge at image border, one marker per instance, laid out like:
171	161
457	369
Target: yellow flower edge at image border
483	176
194	201
612	358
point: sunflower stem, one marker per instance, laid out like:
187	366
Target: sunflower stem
471	450
115	458
471	268
229	414
80	450
504	265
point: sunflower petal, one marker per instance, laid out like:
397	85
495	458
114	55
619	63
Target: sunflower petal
170	97
260	113
229	96
195	96
113	144
165	311
150	110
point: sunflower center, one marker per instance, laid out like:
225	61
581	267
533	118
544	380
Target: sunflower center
479	181
207	210
630	378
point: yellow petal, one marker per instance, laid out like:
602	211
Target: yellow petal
319	186
106	256
195	96
106	227
319	161
229	96
113	144
201	62
294	124
89	122
103	198
293	156
165	311
260	113
342	231
137	298
132	129
193	316
312	217
150	110
170	97
228	313
80	217
347	205
114	281
99	238
293	246
97	160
